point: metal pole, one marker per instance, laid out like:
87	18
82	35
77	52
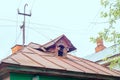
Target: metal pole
23	26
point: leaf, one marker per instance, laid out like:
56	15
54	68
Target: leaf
111	12
104	3
92	39
104	14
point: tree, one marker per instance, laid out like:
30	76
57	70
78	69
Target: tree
112	14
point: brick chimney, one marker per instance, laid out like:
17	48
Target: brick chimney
16	48
100	45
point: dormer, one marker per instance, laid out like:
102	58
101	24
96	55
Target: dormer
61	45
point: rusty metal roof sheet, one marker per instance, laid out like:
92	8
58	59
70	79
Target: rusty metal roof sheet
35	58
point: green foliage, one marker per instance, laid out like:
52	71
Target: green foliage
104	3
104	14
92	39
113	62
110	34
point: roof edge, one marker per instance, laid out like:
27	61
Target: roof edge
39	70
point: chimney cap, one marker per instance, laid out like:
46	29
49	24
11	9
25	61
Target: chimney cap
16	48
17	45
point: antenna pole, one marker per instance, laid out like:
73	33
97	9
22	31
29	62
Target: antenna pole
23	26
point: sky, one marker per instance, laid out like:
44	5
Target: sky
77	19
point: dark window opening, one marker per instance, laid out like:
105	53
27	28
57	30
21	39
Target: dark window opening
60	51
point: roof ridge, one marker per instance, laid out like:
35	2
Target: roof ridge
30	48
33	43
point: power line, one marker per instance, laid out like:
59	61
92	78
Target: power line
36	30
16	24
27	34
4	26
2	19
32	5
20	3
47	25
31	23
17	38
99	22
90	26
47	28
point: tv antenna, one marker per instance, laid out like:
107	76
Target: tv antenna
23	26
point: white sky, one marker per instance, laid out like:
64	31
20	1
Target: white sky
50	19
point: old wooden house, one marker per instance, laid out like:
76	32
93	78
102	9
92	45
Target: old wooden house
51	61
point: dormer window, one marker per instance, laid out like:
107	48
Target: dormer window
61	51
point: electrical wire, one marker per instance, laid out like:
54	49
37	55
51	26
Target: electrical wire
90	26
47	25
32	5
27	34
2	19
48	28
36	30
17	38
4	26
19	3
16	24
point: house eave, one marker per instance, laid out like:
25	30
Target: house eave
54	72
